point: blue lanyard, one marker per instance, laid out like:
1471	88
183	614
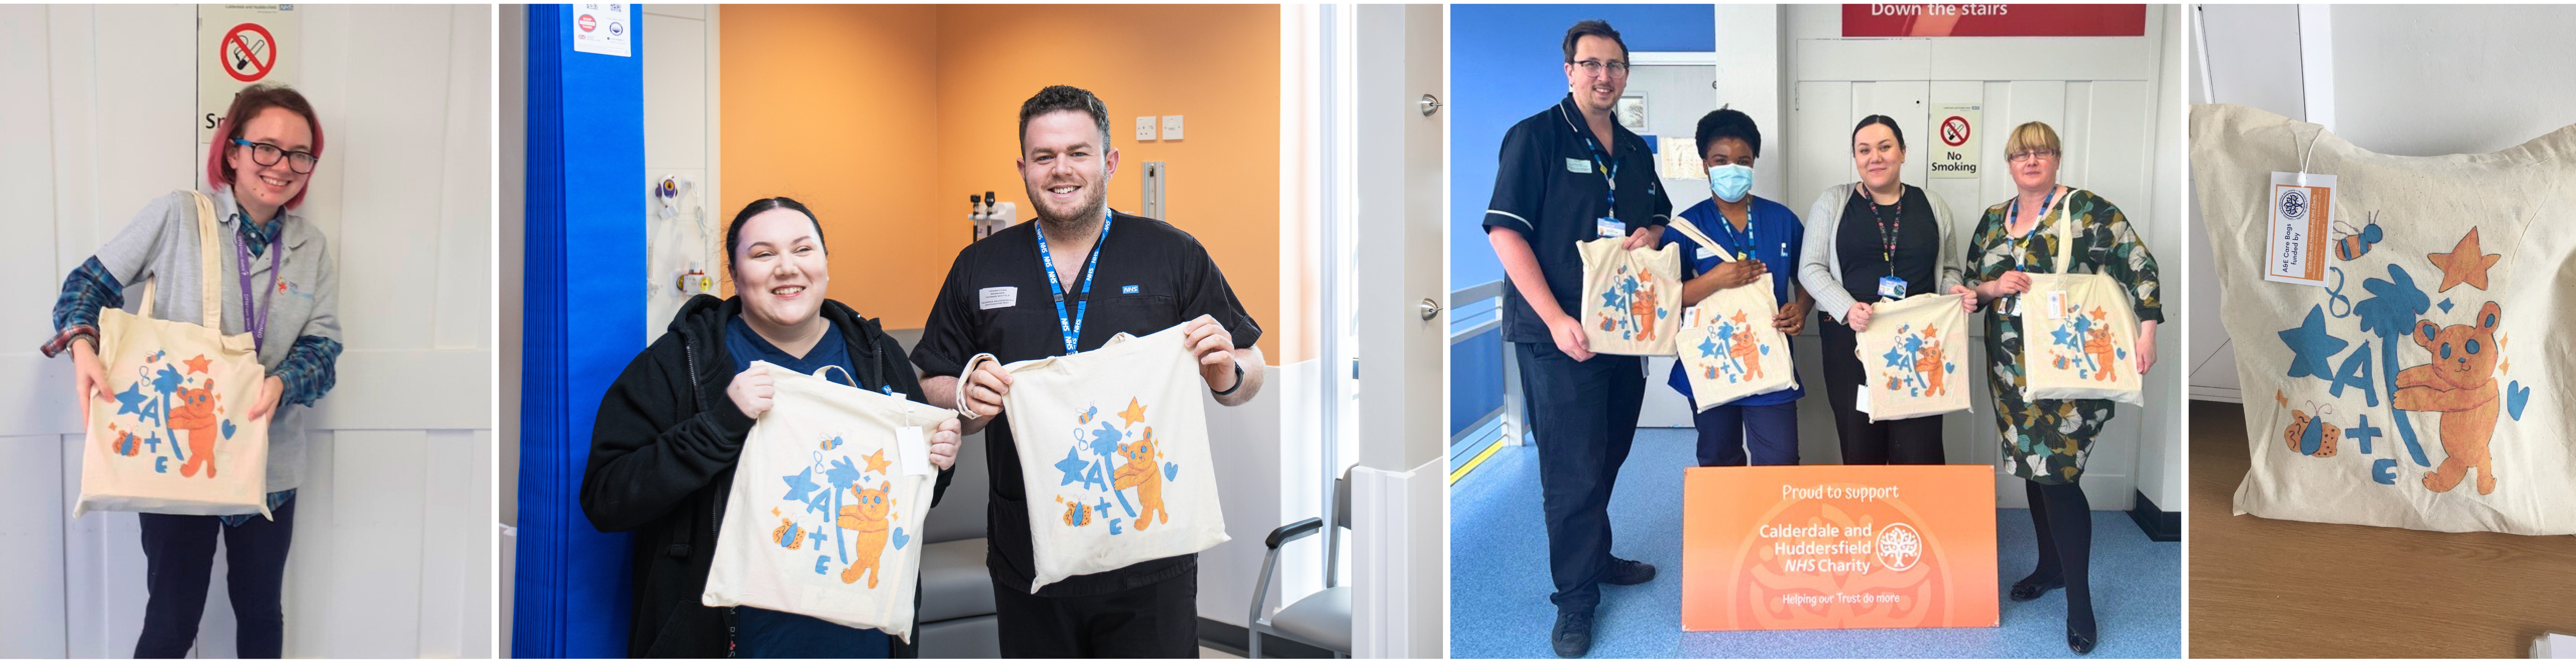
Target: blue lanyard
1072	327
1742	242
1609	172
2022	262
257	324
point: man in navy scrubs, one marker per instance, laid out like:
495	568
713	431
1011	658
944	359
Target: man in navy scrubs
1081	274
1570	174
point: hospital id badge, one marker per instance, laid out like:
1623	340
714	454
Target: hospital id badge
2294	251
1609	227
1892	288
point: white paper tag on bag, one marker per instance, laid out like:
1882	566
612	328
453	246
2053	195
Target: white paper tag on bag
2294	244
914	451
1861	403
2057	304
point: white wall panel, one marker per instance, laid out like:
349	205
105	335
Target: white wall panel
392	551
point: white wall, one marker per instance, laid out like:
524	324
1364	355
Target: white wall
398	569
2407	79
2101	94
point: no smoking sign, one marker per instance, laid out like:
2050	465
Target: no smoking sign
248	52
1958	154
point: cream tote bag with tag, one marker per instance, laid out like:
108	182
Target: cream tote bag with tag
2425	384
1630	297
2079	337
178	439
1911	355
1113	446
1727	344
828	497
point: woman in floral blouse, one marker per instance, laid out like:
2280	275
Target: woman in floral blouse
2045	441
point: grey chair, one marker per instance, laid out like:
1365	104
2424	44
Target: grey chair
1322	619
956	617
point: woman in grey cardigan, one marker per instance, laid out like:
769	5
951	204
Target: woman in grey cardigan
1868	240
259	164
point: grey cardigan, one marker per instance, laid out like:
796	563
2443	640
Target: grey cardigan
1820	270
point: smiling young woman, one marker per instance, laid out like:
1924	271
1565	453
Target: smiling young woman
258	168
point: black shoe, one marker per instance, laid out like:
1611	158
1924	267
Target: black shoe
2026	590
1573	635
1625	572
2080	638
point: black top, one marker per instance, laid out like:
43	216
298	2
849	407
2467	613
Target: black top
1550	187
662	454
1151	277
1862	248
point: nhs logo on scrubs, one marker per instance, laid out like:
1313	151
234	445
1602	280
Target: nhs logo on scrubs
1127	290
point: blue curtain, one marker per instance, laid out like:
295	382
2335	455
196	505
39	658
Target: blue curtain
585	253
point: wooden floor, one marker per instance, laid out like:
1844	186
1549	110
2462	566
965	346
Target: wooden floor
2269	588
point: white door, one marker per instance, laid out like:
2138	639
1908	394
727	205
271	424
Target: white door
1398	507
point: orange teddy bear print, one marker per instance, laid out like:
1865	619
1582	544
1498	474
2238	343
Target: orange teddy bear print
1744	349
1928	362
2098	344
195	415
2459	383
1144	475
870	517
1642	307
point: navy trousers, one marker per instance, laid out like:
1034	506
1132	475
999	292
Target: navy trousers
180	555
1728	435
1585	418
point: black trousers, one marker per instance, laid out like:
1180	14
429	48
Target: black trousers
1585	418
1907	441
179	553
1157	621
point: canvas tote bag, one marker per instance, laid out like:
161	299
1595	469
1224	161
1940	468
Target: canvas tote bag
2425	384
1629	297
1113	447
1911	355
179	438
2079	335
1727	344
828	498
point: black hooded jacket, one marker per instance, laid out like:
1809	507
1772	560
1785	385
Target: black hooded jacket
661	464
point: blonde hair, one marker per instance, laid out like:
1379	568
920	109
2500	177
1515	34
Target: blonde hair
2032	134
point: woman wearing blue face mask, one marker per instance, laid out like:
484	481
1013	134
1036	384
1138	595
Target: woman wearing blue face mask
1761	236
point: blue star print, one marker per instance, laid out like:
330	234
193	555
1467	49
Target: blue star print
1072	465
800	487
132	400
2311	346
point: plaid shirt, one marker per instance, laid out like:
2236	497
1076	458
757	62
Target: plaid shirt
308	371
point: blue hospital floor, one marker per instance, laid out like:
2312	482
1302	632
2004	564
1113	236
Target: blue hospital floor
1499	581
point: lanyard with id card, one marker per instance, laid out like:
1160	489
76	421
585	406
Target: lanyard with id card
1608	224
1890	226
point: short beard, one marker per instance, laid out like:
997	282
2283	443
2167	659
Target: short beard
1083	219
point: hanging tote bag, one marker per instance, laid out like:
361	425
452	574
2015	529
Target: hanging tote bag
179	438
1113	449
1911	355
2079	335
1630	297
828	497
2425	382
1727	344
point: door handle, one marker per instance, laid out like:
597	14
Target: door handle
1430	309
1430	105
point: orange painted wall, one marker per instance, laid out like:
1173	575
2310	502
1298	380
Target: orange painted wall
884	118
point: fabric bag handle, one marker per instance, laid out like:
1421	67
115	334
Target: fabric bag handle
845	373
208	268
962	410
1690	229
2065	229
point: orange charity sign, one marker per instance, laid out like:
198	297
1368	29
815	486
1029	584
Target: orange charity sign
1824	547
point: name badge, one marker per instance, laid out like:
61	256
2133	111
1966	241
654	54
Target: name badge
1706	253
1891	288
998	297
1583	166
1609	227
2294	249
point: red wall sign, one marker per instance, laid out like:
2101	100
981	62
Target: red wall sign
1997	20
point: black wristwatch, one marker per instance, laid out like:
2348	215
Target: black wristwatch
1238	380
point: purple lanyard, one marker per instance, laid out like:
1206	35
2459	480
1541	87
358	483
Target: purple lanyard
258	325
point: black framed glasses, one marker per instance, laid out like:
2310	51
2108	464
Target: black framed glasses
1595	67
266	154
2027	155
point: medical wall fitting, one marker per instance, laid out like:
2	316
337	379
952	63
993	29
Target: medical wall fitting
1153	190
990	214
